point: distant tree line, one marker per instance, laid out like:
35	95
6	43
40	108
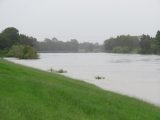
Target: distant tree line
11	39
11	42
133	44
55	45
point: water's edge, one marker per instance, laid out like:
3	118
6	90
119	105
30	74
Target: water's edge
135	76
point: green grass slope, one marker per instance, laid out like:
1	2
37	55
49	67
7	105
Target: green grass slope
30	94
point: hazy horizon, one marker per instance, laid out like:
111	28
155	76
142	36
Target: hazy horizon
84	20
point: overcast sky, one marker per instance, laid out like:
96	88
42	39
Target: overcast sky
85	20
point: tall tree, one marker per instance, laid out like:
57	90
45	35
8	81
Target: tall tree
158	41
145	44
25	40
4	43
12	34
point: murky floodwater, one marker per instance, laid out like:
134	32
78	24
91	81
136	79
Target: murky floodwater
133	75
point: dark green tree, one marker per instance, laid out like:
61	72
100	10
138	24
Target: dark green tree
12	35
158	41
145	44
4	43
25	40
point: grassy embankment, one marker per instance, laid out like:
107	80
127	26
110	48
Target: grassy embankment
30	94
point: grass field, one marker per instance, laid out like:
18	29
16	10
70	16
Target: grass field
30	94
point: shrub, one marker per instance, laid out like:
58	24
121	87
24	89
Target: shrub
22	52
99	77
136	50
61	71
121	50
3	53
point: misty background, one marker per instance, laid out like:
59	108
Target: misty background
84	20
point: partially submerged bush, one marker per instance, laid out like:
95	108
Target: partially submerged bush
22	52
61	71
57	71
99	77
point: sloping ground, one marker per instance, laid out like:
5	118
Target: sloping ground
30	94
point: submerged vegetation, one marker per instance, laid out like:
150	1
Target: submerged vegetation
30	94
61	71
99	77
58	71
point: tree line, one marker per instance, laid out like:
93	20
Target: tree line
12	40
55	45
143	44
10	36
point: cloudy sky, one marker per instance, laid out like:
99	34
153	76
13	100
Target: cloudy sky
85	20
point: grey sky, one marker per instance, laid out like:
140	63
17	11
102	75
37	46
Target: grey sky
85	20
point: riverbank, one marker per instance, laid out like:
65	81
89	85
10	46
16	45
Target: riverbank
123	72
31	94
